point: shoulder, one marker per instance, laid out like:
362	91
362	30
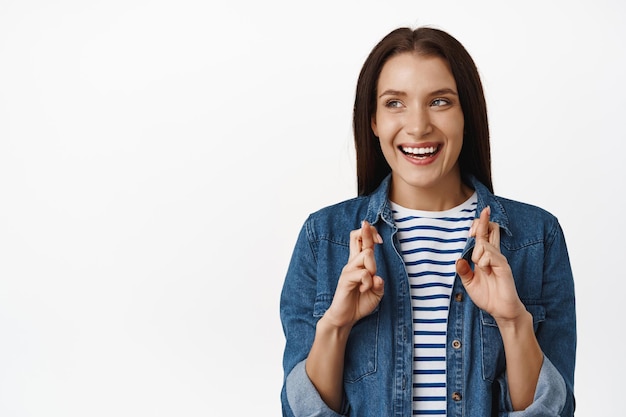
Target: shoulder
528	222
334	222
521	209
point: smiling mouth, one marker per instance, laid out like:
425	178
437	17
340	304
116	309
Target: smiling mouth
420	153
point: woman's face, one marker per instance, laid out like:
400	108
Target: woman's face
419	122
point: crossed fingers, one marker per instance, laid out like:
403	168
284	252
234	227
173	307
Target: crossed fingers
361	257
487	235
363	239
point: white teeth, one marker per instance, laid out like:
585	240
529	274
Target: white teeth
420	151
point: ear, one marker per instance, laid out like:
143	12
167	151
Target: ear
373	125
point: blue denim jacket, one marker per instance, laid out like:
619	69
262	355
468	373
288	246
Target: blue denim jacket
378	360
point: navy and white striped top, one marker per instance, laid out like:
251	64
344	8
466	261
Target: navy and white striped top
431	242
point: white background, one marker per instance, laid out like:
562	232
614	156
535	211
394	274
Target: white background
157	159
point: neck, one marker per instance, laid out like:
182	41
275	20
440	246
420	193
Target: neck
439	198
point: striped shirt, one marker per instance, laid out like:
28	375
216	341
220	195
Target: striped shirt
431	242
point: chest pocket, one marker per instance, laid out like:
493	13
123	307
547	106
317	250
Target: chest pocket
491	343
361	357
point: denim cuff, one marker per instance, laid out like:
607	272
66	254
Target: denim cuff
304	400
550	394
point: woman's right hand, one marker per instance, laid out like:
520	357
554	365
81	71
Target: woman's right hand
359	289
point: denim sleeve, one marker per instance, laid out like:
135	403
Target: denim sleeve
556	335
299	397
303	398
549	397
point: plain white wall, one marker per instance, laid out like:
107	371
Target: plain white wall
157	159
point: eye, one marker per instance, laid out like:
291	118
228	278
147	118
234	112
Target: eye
393	104
440	102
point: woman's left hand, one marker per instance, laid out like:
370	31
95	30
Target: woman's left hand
490	285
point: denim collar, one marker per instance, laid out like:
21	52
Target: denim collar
380	209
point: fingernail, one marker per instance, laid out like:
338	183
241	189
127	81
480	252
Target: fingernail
380	238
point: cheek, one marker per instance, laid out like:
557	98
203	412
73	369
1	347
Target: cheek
454	130
386	127
386	138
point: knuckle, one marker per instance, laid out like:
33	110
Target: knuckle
363	274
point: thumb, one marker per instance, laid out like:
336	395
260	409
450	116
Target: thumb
464	270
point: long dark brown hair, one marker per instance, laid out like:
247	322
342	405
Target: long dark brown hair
475	157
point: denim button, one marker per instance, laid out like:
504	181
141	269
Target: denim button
456	344
456	396
458	296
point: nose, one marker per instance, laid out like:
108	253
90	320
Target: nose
418	122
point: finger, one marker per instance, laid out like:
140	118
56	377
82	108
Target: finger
491	259
369	261
365	259
482	255
366	282
377	237
352	278
494	234
378	286
485	261
464	270
472	230
481	228
355	244
357	278
367	237
478	251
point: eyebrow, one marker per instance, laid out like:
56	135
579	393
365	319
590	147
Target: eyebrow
441	91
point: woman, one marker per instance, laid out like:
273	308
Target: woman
427	294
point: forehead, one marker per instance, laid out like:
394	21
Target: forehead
409	70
